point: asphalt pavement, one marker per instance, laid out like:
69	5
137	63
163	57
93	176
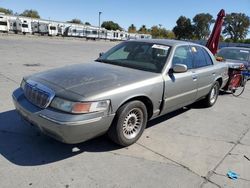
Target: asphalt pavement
192	147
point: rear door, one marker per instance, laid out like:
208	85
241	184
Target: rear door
180	88
204	69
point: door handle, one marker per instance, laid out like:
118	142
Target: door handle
194	77
213	73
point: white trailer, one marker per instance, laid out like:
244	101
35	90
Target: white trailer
75	31
123	35
52	29
34	27
92	32
102	33
4	24
41	28
133	36
25	25
118	35
139	36
145	36
15	25
109	34
61	29
20	25
12	24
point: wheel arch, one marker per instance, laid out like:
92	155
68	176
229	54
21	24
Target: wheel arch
145	100
219	79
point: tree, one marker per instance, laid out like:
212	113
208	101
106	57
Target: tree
110	25
184	28
6	11
201	25
170	35
247	41
30	13
87	23
132	28
236	26
143	30
157	32
75	21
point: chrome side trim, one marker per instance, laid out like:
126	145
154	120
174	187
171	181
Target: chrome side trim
205	87
180	95
71	122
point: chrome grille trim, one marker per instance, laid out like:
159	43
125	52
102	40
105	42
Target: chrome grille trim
38	94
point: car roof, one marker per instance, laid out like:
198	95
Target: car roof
167	42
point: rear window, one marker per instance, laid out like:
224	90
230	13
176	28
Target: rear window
198	57
207	57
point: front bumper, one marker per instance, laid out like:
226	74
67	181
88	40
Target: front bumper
67	128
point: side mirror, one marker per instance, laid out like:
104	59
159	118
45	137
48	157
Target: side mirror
101	54
179	68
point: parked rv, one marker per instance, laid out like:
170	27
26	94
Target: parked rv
92	32
40	28
61	29
12	24
102	33
116	35
4	24
20	24
25	26
123	35
75	31
35	27
110	34
52	29
132	36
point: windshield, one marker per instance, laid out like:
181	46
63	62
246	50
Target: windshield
138	55
234	54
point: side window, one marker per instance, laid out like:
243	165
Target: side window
199	58
207	57
182	55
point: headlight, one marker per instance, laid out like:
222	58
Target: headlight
80	107
22	85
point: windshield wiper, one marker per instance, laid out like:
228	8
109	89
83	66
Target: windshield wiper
100	60
104	61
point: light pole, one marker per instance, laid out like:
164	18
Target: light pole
99	24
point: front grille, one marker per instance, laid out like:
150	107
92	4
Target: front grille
36	95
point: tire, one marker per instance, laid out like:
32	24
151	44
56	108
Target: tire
212	96
129	123
239	90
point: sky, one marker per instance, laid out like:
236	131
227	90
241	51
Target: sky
127	12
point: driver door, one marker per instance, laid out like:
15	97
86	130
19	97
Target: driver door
180	88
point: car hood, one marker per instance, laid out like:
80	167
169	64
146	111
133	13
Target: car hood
90	79
233	63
